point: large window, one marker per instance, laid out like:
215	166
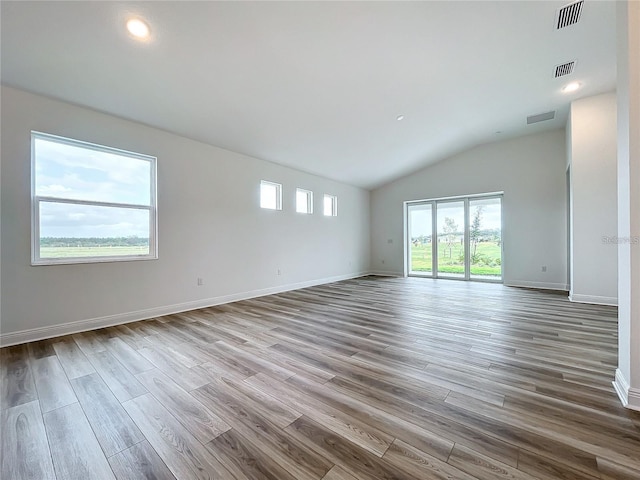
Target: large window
455	237
91	203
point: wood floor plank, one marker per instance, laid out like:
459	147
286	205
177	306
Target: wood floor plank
482	467
183	454
72	359
88	342
52	384
129	357
410	433
120	380
195	417
545	468
41	348
612	471
356	460
111	425
138	462
256	363
418	464
242	458
25	449
277	412
187	378
251	422
338	473
365	379
16	379
358	432
75	450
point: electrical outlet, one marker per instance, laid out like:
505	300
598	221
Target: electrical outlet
279	272
200	282
544	268
383	262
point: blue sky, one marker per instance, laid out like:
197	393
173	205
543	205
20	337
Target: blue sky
72	172
421	218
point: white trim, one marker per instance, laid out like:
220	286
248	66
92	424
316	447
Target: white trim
594	299
41	333
540	285
278	187
37	200
630	397
434	204
473	196
334	205
381	273
308	207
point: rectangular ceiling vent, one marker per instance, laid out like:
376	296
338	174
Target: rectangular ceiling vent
541	117
565	69
569	14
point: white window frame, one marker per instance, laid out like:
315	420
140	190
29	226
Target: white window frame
308	206
36	200
278	187
334	205
434	202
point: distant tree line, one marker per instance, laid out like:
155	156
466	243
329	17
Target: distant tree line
487	235
132	241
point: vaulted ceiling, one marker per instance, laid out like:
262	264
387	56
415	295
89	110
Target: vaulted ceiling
318	86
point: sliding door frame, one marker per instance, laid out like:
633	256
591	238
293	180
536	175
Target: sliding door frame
434	237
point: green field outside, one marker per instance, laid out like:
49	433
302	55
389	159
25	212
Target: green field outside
487	260
96	251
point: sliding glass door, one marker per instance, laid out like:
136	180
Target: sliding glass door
451	239
420	234
485	238
455	238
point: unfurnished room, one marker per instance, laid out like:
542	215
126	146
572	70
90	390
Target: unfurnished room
320	240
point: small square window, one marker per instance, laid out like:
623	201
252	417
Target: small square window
304	201
270	195
330	205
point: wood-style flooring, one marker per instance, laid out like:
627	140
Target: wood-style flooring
372	378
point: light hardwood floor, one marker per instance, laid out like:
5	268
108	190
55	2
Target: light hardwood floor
373	378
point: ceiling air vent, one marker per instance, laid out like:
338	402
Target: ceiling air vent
541	117
565	69
569	14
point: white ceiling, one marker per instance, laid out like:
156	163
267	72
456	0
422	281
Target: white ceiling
316	85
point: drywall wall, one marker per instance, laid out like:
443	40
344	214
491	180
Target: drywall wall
530	170
627	379
210	226
594	222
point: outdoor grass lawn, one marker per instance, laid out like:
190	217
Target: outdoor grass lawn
488	251
69	252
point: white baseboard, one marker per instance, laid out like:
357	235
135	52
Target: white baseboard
594	299
540	285
387	274
40	333
630	397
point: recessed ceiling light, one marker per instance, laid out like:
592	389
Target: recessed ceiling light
138	28
400	117
571	87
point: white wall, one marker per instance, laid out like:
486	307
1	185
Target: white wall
531	172
592	136
627	381
210	226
